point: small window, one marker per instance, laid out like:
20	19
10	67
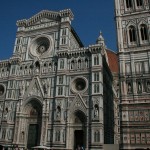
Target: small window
60	90
17	49
61	64
96	60
60	80
44	64
96	136
64	31
129	3
48	135
139	3
10	84
18	41
63	41
13	69
3	133
96	88
143	31
57	136
96	76
132	35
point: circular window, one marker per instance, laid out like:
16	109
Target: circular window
41	45
2	89
79	84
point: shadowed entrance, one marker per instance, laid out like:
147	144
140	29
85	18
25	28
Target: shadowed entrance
79	129
79	138
34	123
32	135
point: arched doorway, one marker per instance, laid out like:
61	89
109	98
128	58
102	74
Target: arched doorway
33	111
79	129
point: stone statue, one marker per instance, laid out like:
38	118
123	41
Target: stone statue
139	86
22	89
45	87
96	113
148	86
5	113
129	88
58	113
18	106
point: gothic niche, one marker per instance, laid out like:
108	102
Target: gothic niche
79	84
139	87
129	89
148	86
2	89
37	67
58	113
96	111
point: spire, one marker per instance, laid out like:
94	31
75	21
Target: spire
100	39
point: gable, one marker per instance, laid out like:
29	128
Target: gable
34	89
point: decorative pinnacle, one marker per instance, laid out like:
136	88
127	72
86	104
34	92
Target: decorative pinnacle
100	39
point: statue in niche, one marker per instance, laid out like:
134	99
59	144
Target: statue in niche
37	69
22	89
139	87
79	64
5	113
58	112
148	86
63	136
86	63
22	136
18	106
72	64
96	113
45	87
129	87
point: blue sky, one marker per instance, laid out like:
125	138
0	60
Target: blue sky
90	17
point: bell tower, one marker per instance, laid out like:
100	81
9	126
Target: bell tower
133	32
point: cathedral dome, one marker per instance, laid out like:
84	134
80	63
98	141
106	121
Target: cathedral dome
113	61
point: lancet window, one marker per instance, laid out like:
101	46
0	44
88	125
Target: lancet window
143	31
139	3
96	136
132	34
129	3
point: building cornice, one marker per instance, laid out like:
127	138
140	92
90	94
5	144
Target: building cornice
45	14
80	51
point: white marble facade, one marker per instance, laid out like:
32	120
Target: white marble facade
51	89
133	28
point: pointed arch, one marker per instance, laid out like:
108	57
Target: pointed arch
143	32
129	3
78	115
132	33
139	3
96	60
62	64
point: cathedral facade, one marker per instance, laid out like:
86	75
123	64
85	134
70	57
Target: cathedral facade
54	91
133	31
